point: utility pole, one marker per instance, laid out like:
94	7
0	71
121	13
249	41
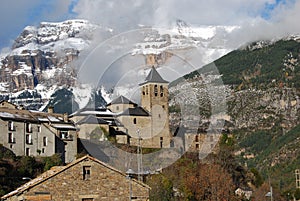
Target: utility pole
129	174
271	190
139	156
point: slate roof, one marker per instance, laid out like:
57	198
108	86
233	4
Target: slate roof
23	115
137	111
121	100
91	119
101	112
56	170
154	77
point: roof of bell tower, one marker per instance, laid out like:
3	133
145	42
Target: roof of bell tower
154	77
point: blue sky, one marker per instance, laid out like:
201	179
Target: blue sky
126	14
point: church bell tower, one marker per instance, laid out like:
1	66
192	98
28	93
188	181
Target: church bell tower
154	99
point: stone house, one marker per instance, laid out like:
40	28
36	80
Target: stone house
85	179
34	133
89	119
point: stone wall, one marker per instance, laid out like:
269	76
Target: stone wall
103	183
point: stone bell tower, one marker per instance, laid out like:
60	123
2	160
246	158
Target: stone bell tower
154	99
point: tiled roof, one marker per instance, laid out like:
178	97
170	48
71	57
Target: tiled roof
91	119
103	112
154	77
136	111
23	115
121	100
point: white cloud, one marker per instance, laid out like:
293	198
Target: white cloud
125	15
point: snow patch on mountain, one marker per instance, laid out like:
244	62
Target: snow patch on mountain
82	94
50	36
107	96
24	69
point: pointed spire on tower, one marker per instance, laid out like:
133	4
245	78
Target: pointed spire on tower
154	77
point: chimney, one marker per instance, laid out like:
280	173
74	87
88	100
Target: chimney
50	109
66	117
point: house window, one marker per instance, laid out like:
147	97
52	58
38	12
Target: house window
87	199
117	108
196	138
86	172
11	126
146	90
28	139
43	150
161	91
11	138
39	128
27	152
161	142
45	141
134	120
155	90
28	128
63	134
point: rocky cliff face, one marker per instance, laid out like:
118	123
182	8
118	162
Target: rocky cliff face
44	55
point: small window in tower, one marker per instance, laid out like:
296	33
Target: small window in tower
134	120
86	172
146	90
155	90
159	116
117	108
161	142
197	146
161	91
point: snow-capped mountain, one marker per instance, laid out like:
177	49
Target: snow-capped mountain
209	40
44	54
41	60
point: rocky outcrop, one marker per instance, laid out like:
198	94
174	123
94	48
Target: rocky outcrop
44	55
26	70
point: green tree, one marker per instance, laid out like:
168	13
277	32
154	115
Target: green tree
161	188
51	161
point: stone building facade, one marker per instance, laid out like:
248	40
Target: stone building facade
34	133
86	179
